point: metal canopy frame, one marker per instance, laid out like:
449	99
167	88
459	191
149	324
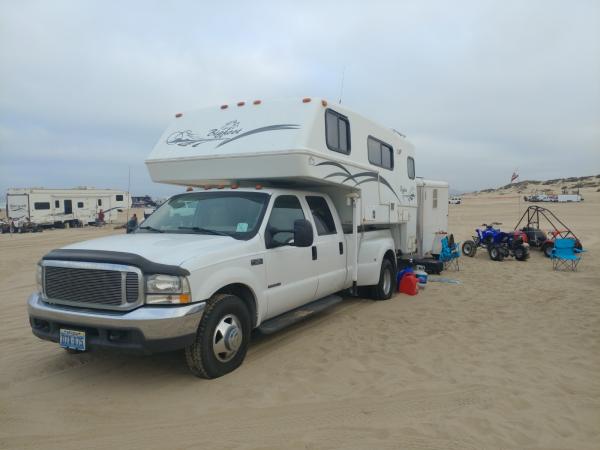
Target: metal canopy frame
532	215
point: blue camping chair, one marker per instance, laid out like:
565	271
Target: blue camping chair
450	253
564	254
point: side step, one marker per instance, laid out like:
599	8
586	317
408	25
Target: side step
296	315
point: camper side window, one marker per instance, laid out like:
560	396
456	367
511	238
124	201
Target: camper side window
337	132
80	204
57	203
411	167
41	205
99	202
280	228
435	198
322	215
380	153
119	198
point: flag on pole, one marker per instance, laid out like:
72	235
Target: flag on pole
515	175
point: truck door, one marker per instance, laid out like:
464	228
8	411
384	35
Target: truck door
329	247
291	271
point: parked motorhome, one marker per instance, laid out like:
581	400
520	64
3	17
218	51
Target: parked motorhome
295	201
65	207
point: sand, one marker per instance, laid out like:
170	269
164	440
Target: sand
509	359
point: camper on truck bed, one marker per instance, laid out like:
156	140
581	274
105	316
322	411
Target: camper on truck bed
295	201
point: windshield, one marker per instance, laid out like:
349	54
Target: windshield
235	214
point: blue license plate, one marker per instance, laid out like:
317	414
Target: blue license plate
72	339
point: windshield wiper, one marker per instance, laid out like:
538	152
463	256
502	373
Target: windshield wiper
206	230
148	227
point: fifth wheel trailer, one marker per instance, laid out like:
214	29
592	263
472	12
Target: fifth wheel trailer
292	202
64	207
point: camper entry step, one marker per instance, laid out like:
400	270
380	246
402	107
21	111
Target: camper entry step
298	314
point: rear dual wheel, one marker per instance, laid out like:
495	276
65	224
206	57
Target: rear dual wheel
384	289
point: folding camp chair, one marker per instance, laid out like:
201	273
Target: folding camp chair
450	253
564	254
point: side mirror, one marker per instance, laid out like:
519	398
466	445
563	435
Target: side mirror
303	233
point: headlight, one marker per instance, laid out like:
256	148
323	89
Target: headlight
167	290
39	278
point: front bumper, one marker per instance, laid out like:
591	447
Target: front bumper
147	329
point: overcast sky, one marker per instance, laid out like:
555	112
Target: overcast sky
481	87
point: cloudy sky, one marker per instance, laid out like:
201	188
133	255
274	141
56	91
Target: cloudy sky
480	87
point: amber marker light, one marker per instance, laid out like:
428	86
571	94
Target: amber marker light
185	298
324	102
241	103
306	100
258	186
189	189
178	115
256	102
224	106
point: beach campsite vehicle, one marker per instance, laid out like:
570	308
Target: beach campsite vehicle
499	244
63	208
530	223
293	201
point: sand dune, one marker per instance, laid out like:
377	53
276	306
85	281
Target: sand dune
509	359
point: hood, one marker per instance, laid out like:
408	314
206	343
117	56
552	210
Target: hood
163	248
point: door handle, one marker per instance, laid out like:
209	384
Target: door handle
341	248
314	252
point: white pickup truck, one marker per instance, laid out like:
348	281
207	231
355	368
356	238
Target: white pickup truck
286	214
202	272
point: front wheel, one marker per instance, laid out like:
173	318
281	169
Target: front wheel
387	277
547	248
469	248
222	338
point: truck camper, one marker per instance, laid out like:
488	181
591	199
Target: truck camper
289	203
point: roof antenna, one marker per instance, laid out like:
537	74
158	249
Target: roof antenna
342	85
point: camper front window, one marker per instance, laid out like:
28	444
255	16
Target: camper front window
410	162
337	132
235	214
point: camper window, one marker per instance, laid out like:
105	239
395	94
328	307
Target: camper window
322	215
119	198
411	167
57	203
80	204
99	202
337	132
380	153
435	198
41	205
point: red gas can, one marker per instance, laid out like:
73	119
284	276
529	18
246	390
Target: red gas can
408	284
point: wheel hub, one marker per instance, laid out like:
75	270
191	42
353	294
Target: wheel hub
227	338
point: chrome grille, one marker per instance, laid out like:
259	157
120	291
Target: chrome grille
132	290
104	286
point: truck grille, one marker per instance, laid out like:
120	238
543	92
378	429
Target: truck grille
107	289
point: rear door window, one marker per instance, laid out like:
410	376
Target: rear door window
322	215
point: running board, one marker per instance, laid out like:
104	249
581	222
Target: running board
296	315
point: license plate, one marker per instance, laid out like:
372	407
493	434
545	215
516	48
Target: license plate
72	339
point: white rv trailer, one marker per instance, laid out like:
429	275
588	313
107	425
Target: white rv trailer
64	207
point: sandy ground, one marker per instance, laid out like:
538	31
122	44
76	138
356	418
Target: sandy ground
509	359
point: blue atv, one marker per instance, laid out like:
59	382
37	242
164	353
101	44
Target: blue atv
498	243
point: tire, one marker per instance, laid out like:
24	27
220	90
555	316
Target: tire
496	253
469	248
547	248
384	289
225	325
521	253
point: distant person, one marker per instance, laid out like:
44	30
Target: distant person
132	224
100	219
